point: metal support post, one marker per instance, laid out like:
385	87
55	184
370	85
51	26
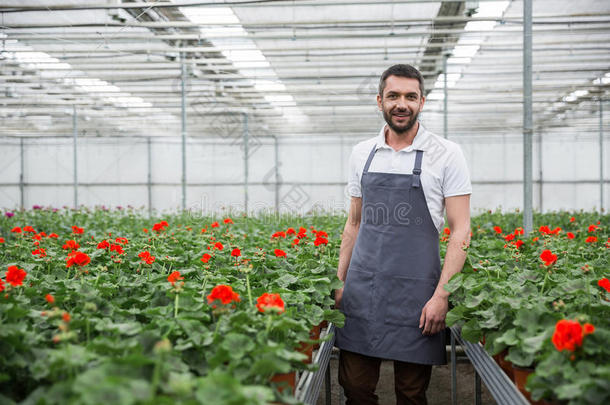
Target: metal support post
327	389
601	154
477	388
21	174
528	217
183	107
277	174
446	91
540	173
453	372
149	175
74	163
245	135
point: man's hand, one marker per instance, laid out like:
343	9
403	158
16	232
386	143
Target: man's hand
338	296
433	314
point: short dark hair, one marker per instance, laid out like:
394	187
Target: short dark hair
401	70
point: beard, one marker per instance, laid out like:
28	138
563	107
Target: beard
400	129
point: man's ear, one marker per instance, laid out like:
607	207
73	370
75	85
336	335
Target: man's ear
379	102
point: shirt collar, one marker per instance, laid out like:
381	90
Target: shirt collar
419	142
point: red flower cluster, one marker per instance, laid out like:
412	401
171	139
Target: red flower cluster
39	252
218	246
50	299
320	240
160	226
604	283
592	228
497	229
79	258
116	248
548	257
569	334
224	294
77	230
279	253
1	239
215	225
236	252
570	235
1	285
175	276
71	244
591	239
14	276
206	257
270	303
146	257
122	241
302	233
279	234
103	244
28	229
228	221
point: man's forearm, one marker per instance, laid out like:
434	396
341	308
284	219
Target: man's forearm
454	257
348	240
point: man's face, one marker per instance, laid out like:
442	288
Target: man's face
401	103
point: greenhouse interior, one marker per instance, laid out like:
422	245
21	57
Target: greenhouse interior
229	202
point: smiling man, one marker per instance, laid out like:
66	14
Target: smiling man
401	182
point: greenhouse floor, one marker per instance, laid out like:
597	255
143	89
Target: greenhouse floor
439	391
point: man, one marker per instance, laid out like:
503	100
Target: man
393	298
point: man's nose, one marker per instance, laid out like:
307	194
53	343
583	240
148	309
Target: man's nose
401	102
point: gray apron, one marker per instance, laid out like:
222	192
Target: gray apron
394	270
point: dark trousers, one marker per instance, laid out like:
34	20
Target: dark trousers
359	374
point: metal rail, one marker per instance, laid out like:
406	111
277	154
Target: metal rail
500	386
310	383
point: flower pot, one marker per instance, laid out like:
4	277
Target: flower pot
521	374
504	364
314	334
284	381
307	349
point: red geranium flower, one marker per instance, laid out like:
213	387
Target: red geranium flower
497	229
218	246
592	228
50	299
122	241
591	239
604	283
77	230
270	303
570	235
296	241
28	229
509	237
572	219
290	231
15	275
206	257
39	252
320	241
519	243
279	234
548	257
446	231
215	225
160	226
71	244
79	258
1	285
224	294
175	276
228	221
116	248
66	317
103	244
16	230
556	231
321	234
568	335
519	231
146	257
587	329
544	229
53	235
279	253
236	252
1	239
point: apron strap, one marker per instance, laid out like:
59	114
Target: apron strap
417	168
370	159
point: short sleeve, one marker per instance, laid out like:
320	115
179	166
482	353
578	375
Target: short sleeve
456	179
353	177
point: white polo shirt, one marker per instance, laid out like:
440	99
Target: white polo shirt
444	170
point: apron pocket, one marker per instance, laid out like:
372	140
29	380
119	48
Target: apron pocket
358	294
406	298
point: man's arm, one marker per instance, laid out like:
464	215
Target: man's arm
348	240
458	218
